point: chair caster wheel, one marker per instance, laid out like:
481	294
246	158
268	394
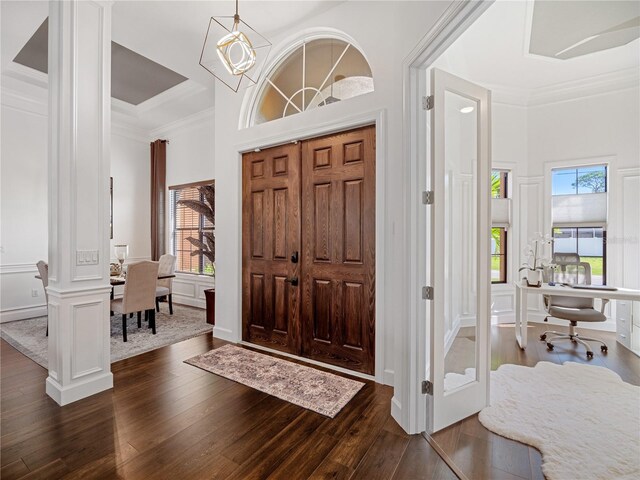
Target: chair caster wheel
543	337
550	346
589	354
604	348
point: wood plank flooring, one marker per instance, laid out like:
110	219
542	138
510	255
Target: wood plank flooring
167	419
480	453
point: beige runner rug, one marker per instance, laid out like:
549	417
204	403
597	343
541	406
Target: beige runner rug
322	392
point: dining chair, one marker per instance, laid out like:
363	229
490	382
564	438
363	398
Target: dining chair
43	271
139	294
167	266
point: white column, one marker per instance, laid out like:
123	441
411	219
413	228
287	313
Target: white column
79	169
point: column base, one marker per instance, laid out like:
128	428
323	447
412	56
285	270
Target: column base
77	391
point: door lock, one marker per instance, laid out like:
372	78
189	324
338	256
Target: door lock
293	281
294	257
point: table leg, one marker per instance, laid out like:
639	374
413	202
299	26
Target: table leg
521	317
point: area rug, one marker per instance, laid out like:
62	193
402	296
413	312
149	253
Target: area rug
307	387
28	336
583	418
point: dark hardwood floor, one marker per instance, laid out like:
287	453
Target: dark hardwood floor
167	419
481	454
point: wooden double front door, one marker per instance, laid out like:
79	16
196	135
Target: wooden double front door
308	248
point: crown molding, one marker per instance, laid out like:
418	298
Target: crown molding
586	87
24	103
565	91
174	127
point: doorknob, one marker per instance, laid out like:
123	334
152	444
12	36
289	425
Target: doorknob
294	257
293	281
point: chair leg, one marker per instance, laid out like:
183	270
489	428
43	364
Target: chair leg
152	321
157	305
146	318
124	327
170	305
139	319
131	315
47	327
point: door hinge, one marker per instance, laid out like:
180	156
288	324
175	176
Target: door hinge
427	388
427	293
427	197
427	102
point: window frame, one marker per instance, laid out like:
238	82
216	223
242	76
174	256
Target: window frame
173	229
504	236
251	107
577	237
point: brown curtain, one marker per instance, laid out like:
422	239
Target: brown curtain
158	198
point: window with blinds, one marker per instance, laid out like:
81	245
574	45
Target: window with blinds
579	216
186	222
500	221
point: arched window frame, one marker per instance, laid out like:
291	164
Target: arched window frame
287	48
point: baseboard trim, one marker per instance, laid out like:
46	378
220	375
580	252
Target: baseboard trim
22	313
224	334
77	391
189	301
396	410
388	377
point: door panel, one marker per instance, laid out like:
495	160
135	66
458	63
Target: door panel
270	235
338	243
460	249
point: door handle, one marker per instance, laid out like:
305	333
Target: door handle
294	257
293	281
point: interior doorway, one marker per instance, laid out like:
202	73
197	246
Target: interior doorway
308	242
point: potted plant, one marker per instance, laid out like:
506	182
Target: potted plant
534	253
207	245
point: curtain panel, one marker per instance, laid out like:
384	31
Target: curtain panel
158	198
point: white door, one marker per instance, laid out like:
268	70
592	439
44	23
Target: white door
460	250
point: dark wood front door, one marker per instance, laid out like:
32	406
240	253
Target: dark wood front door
329	219
338	244
270	236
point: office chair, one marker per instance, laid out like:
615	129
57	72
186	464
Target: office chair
574	309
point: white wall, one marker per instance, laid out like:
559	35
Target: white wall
130	169
386	32
189	159
24	207
598	128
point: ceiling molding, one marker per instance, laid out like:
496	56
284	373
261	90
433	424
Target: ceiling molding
25	103
605	83
173	94
561	92
25	74
173	128
126	130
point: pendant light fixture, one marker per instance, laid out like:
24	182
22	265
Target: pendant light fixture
233	51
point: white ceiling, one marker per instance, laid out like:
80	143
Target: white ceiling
494	52
170	33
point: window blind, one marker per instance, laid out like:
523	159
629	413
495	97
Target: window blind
501	212
589	209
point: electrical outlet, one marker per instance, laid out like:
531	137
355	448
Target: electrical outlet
35	292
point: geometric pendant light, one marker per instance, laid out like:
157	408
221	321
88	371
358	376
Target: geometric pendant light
233	51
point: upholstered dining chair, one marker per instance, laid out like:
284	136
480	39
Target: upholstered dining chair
167	266
139	294
43	271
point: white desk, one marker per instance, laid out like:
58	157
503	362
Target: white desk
522	291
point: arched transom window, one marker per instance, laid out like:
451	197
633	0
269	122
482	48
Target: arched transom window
317	73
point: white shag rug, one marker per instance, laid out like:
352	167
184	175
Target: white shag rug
583	418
